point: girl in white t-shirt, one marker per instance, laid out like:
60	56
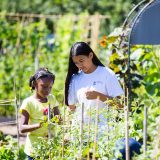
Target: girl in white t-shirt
89	82
87	79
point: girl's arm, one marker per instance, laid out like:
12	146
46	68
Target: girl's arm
24	126
94	95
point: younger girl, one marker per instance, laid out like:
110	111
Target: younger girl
35	108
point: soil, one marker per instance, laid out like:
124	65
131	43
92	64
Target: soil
11	129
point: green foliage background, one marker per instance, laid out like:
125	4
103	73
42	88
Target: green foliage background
117	10
24	42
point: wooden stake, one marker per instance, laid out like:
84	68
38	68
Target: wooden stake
89	127
95	24
126	109
17	125
108	129
49	128
63	132
96	129
16	109
81	130
145	131
49	118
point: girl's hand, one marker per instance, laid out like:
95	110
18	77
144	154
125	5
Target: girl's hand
57	119
72	108
96	95
39	125
92	95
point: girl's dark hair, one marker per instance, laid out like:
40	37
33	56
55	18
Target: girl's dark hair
79	48
41	72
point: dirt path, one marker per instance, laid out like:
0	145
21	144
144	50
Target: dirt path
10	129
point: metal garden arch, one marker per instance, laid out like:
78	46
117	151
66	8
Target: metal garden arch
144	30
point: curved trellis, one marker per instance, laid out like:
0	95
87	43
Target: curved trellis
144	30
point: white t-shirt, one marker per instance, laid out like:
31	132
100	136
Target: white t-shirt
102	80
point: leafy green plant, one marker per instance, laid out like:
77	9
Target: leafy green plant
144	74
9	149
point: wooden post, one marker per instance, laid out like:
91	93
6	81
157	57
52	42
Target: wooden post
17	124
126	110
96	129
95	23
49	118
89	127
81	130
108	128
16	109
63	132
49	127
145	131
